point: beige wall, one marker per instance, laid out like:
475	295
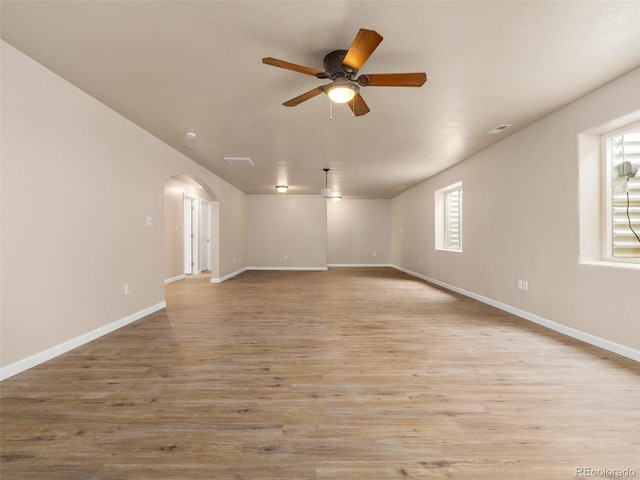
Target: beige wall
520	221
78	182
291	225
359	232
173	228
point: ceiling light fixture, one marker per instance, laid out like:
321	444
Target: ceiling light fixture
336	198
499	128
342	91
326	191
281	188
190	139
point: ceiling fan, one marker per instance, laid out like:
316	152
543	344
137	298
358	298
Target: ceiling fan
341	66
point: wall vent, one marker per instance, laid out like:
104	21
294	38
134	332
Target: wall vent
239	161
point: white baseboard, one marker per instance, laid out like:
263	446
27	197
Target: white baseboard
238	272
50	353
175	279
289	268
600	342
228	276
358	265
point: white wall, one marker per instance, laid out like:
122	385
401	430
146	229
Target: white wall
520	221
78	181
291	225
359	232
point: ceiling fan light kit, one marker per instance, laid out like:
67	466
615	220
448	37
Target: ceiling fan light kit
341	91
282	188
341	67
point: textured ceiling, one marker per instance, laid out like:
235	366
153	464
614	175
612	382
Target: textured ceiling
178	66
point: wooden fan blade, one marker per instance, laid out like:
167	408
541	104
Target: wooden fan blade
396	79
358	106
361	48
305	96
291	66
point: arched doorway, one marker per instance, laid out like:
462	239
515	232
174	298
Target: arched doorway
191	228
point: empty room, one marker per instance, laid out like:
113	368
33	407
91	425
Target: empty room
319	239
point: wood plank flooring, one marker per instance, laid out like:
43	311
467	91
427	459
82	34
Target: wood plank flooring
345	374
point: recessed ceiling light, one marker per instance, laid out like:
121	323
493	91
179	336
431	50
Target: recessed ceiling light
499	128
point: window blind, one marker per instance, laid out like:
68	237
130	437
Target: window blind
624	155
453	216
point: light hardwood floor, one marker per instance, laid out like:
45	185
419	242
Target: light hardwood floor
346	374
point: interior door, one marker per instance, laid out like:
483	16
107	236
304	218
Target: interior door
205	236
190	225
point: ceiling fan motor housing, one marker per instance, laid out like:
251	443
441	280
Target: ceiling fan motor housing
334	67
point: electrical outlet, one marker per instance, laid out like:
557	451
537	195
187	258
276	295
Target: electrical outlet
125	289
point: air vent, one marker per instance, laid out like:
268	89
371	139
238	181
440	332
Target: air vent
239	161
499	128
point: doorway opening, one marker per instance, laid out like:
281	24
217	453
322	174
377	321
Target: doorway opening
191	229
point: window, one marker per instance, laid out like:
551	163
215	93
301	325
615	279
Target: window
453	219
448	217
622	219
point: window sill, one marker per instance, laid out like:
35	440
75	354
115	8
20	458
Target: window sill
607	263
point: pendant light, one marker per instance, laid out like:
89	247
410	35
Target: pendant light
326	191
